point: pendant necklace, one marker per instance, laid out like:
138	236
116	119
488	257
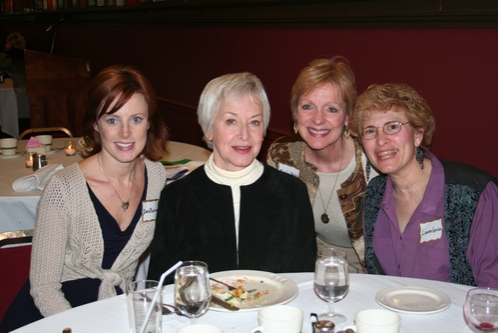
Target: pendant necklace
324	216
124	204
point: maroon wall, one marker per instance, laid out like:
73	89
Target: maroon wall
454	69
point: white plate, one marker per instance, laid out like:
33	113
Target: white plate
11	156
415	300
277	288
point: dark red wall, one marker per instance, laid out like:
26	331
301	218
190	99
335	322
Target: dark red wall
454	69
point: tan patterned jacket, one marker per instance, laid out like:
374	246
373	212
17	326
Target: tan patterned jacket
290	151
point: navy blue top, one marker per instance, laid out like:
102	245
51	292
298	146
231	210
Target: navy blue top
86	290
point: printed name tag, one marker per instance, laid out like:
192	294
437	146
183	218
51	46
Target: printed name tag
430	231
287	169
149	210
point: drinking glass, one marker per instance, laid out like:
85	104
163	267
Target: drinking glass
331	281
480	309
192	289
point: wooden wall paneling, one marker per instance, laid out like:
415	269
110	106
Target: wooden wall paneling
57	87
182	123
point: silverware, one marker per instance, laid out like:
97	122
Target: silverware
174	309
225	284
224	304
229	286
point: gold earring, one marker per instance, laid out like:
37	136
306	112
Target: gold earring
295	128
346	132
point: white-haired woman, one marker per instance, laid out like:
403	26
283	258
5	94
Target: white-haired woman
235	212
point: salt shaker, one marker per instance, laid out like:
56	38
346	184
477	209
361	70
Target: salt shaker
39	161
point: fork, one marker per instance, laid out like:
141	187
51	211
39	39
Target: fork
167	311
229	286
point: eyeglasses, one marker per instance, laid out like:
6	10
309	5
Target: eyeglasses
390	128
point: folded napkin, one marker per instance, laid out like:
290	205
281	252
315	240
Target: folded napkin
37	180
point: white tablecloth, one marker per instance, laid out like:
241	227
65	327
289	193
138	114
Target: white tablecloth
9	119
18	209
110	315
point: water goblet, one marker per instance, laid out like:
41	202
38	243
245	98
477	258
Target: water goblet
331	281
192	289
480	309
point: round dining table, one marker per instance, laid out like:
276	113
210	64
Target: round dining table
110	315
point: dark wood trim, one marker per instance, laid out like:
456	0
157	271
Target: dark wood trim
174	106
286	13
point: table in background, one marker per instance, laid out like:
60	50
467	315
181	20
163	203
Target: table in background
110	315
18	209
9	119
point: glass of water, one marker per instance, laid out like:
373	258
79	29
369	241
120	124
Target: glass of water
192	289
331	281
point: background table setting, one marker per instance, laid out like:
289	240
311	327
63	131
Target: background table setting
18	209
111	315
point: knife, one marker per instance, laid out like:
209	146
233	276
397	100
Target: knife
223	304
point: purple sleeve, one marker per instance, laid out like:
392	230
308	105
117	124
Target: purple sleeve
482	248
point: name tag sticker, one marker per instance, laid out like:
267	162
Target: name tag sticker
149	210
287	169
430	231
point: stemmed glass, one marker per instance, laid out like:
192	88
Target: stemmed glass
331	281
192	289
480	309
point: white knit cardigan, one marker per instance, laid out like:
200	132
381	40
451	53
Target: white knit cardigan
68	243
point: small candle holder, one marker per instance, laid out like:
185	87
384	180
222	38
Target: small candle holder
29	159
70	149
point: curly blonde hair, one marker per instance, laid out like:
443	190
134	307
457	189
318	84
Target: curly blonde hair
399	98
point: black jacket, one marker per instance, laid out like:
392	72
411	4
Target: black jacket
195	221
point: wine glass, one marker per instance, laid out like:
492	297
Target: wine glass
480	309
331	281
192	289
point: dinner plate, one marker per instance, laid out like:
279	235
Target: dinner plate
11	156
273	288
415	300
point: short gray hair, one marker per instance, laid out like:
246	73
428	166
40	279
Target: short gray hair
240	84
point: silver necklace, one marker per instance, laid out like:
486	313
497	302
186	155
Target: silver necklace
124	204
324	216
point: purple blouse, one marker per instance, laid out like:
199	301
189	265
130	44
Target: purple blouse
422	250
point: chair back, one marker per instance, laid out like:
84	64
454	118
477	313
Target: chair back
55	131
15	257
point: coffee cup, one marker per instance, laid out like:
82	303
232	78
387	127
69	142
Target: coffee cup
375	321
8	146
200	328
46	140
279	318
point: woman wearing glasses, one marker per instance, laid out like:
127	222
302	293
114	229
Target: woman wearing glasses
324	156
424	218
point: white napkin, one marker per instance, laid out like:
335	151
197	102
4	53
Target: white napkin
37	180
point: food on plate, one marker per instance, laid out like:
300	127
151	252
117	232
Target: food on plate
240	295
